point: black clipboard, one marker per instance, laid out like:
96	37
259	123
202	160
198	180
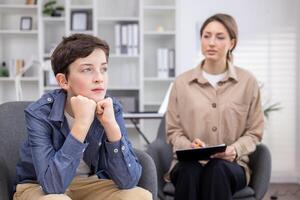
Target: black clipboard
202	153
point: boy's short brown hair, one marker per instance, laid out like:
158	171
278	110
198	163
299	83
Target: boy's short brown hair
74	47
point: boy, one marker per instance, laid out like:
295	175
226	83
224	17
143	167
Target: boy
77	145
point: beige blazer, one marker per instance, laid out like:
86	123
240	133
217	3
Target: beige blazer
230	114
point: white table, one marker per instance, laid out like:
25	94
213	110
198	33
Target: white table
134	117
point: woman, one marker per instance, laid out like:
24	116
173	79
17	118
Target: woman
214	103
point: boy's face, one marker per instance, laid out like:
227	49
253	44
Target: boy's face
88	76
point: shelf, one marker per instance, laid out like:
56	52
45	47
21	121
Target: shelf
90	32
162	20
123	56
159	7
18	32
54	19
18	8
159	3
156	33
81	7
21	79
29	79
156	79
118	19
4	79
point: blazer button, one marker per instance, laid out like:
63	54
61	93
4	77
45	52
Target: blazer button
214	105
214	129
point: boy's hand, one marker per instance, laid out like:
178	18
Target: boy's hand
197	143
84	113
229	154
105	114
105	111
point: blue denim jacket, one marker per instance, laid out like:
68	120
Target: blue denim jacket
50	155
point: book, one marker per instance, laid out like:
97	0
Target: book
171	63
135	40
162	62
118	38
124	39
202	153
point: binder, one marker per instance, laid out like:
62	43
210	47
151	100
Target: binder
124	39
118	38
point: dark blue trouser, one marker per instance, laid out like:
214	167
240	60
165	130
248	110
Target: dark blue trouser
217	180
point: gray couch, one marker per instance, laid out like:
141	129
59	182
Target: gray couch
12	132
260	163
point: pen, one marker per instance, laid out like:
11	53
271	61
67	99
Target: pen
198	145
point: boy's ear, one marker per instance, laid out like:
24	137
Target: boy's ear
62	81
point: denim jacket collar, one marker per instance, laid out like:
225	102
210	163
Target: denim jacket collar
57	111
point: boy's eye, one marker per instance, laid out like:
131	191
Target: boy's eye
206	36
88	69
103	69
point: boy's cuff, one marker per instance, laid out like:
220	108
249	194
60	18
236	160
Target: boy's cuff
73	147
116	149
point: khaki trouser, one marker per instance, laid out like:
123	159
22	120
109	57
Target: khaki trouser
90	188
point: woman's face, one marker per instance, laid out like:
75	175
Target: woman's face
216	42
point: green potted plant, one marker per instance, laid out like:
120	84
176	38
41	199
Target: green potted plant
270	108
267	107
52	9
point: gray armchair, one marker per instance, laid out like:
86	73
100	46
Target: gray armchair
260	163
12	132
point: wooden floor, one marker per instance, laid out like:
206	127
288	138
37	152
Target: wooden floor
287	191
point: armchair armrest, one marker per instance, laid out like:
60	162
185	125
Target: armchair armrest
148	178
4	190
161	153
260	163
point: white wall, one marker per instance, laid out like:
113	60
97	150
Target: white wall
273	21
298	99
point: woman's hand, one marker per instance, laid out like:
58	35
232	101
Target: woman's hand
197	143
229	154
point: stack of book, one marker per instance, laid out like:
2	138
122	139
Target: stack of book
127	39
165	62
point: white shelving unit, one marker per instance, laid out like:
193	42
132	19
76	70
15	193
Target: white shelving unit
129	75
159	31
18	44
